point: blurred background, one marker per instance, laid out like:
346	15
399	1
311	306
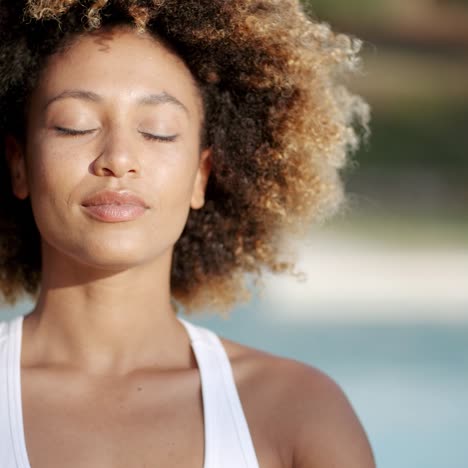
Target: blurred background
384	310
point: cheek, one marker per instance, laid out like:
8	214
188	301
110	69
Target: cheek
51	179
173	170
173	185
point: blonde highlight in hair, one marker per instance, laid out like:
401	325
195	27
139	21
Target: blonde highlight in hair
47	9
54	9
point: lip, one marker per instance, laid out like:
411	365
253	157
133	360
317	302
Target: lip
114	206
110	197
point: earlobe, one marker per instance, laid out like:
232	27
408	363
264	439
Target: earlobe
16	161
201	180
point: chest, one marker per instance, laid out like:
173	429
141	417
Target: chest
142	423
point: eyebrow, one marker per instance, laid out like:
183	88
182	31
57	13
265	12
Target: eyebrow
146	99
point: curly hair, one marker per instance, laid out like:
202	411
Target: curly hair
278	121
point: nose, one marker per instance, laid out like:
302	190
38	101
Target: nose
118	155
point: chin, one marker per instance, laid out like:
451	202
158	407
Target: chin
105	252
110	262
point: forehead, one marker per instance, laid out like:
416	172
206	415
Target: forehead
119	63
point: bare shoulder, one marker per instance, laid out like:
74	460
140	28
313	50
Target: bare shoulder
302	409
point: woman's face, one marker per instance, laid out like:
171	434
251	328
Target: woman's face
116	111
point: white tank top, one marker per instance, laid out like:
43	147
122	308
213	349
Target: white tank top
228	443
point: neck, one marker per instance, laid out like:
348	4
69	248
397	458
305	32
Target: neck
106	322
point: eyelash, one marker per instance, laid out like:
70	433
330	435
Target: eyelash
70	131
148	136
164	139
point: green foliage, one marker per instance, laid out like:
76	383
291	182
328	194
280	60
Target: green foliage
458	2
332	8
427	137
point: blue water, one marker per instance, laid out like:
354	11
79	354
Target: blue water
408	383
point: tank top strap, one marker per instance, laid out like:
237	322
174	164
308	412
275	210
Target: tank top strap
13	397
200	342
225	423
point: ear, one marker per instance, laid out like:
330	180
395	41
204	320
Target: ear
16	161
201	179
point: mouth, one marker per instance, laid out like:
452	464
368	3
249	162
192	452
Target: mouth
114	206
112	213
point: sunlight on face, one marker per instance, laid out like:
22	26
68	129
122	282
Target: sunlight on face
116	111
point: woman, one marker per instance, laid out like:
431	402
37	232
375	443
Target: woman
154	153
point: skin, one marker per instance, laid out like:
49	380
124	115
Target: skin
105	365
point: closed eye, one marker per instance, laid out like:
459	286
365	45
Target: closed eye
72	131
148	136
162	138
